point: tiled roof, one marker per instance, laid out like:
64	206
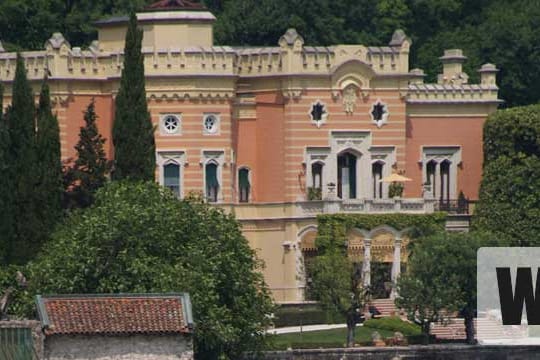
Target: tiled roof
115	314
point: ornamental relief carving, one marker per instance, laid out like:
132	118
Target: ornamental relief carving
349	99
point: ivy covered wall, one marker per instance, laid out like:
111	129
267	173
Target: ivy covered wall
333	229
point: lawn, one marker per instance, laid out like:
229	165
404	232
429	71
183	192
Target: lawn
324	338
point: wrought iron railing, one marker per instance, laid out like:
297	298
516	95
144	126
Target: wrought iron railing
460	206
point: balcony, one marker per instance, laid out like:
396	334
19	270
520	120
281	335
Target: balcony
309	209
453	207
368	206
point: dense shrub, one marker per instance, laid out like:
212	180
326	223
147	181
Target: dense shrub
304	315
509	201
394	323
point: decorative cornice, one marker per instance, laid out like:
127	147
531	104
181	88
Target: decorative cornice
178	95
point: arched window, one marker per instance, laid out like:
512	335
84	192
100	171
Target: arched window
445	180
211	182
316	175
346	175
430	175
244	186
377	174
171	178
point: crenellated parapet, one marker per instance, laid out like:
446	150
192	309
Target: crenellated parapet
291	62
453	84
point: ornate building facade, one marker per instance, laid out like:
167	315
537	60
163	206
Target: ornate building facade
280	134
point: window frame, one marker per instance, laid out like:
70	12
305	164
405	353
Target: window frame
166	157
163	131
217	125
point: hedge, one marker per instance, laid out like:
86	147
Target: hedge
509	201
296	315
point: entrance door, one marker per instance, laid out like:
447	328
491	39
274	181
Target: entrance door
347	176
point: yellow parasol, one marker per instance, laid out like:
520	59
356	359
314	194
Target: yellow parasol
395	178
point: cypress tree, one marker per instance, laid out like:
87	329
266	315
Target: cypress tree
133	132
49	188
90	170
21	122
6	187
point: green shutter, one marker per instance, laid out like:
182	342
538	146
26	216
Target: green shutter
211	176
171	175
243	179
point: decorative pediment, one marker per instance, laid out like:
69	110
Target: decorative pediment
57	42
291	38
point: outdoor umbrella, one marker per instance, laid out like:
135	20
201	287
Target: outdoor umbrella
395	178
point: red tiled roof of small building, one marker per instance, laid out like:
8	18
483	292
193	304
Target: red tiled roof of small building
115	314
175	5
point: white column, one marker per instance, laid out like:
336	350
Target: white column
366	265
396	267
436	184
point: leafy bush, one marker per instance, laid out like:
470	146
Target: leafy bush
287	315
314	193
395	190
394	323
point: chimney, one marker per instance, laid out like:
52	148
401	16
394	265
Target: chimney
453	74
488	73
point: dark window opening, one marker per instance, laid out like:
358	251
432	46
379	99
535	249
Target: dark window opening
377	171
244	185
212	184
378	111
317	111
171	178
347	176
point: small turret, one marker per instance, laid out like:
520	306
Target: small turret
453	68
488	74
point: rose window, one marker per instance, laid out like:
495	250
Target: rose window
171	124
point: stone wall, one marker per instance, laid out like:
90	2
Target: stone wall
135	347
432	352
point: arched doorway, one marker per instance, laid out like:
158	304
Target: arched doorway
309	252
347	175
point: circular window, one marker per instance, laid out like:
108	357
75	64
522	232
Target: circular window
171	124
211	124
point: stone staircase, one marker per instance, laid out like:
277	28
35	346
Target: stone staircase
385	307
491	329
455	328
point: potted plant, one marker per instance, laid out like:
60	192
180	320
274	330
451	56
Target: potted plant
314	193
395	190
331	187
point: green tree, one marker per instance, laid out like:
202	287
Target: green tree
21	120
138	237
133	132
441	279
91	168
340	291
509	203
49	187
423	292
6	187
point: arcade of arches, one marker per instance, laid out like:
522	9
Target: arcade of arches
382	252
